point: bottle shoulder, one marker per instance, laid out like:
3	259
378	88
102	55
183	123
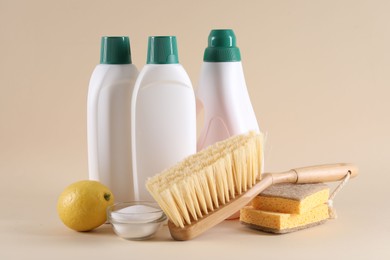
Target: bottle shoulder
119	71
105	75
221	70
221	77
112	77
152	74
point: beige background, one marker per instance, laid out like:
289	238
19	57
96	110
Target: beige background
318	73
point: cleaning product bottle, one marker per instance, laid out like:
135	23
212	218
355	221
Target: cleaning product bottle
109	118
222	91
164	114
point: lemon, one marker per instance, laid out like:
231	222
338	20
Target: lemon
82	205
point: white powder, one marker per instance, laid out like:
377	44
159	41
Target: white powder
136	214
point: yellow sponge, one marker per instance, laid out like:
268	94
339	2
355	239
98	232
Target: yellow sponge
291	198
285	208
282	222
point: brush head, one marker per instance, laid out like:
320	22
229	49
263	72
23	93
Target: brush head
209	179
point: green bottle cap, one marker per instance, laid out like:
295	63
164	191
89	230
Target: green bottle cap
115	50
162	50
222	47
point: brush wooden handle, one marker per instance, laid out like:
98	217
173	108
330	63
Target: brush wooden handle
313	174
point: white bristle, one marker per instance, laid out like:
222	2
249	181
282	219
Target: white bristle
205	181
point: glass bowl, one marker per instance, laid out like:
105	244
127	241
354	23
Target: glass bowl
138	220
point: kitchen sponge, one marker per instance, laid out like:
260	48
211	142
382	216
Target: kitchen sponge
291	198
285	208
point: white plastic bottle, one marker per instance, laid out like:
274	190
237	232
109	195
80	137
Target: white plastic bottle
222	91
109	118
164	114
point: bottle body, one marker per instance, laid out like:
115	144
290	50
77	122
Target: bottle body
163	122
223	94
109	126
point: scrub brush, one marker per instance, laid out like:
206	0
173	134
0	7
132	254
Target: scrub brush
211	185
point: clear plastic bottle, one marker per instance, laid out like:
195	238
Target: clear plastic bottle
109	118
164	114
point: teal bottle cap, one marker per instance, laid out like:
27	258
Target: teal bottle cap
162	50
222	47
115	50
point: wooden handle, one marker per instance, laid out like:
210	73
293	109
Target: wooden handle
314	174
325	173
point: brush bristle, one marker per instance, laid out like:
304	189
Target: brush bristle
208	179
